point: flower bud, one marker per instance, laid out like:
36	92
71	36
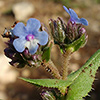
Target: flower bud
57	30
46	95
68	35
19	60
18	63
74	31
26	53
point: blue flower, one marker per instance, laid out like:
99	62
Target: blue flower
29	36
74	18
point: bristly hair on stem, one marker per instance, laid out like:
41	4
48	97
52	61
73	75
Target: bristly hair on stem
52	69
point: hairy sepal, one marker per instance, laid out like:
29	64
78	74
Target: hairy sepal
75	45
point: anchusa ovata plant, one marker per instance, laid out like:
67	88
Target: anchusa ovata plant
31	45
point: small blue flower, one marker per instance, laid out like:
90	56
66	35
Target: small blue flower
29	36
74	18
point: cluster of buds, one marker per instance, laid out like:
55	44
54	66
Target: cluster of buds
65	34
17	59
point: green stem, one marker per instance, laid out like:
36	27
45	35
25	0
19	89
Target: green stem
65	63
50	67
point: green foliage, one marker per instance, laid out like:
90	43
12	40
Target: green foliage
50	83
46	53
79	82
85	77
77	44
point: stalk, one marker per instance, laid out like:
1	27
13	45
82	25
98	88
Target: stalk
65	63
50	67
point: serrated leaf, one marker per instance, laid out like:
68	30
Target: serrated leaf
79	82
84	78
61	85
77	43
50	83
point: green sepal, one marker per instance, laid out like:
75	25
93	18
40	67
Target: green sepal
47	53
75	45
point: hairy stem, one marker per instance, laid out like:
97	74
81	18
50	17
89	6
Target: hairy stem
50	67
65	62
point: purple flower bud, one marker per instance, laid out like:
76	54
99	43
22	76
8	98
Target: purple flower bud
83	30
26	53
46	95
65	34
9	53
57	30
35	57
18	63
16	57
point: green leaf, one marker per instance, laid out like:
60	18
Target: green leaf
84	78
46	54
50	83
77	43
79	82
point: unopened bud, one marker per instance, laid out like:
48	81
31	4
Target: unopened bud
46	95
57	30
70	35
83	30
26	53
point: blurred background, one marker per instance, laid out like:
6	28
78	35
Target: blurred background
12	88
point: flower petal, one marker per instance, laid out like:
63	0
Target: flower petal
32	46
20	30
66	10
74	17
83	21
42	37
73	14
33	25
19	44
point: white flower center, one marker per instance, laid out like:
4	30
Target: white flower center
31	44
